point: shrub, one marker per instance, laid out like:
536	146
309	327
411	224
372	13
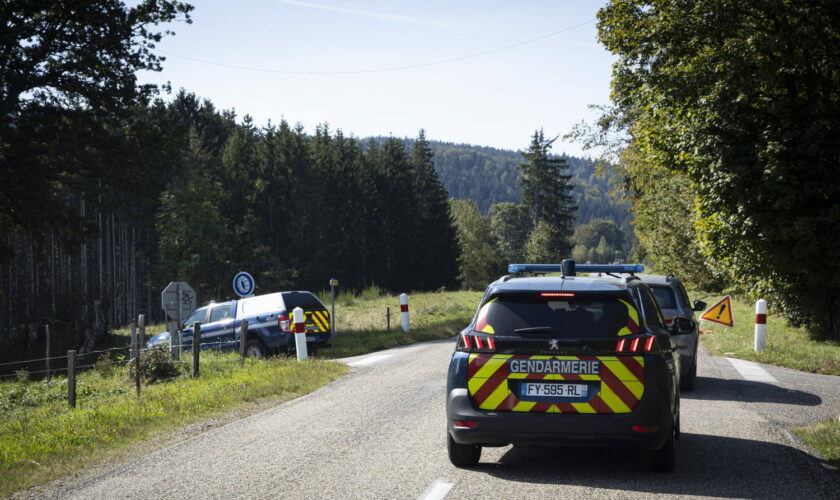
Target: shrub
156	365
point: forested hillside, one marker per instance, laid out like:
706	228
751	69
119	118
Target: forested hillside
489	175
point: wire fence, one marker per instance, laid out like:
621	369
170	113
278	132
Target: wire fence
139	359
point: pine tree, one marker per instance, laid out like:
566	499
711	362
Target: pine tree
546	192
434	229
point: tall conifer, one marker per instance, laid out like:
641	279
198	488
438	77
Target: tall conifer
546	191
437	264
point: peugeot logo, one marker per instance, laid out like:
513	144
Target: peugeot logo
553	345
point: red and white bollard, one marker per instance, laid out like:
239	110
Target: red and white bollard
404	311
299	327
760	324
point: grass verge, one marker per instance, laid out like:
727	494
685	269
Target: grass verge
42	439
786	345
825	438
362	323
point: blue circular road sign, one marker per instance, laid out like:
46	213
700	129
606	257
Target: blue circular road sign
243	284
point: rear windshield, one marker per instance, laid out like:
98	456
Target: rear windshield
579	317
304	300
664	297
261	304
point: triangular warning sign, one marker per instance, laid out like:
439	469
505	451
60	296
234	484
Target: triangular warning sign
720	312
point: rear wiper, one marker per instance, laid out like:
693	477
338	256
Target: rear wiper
535	329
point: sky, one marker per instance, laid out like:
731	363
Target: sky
487	73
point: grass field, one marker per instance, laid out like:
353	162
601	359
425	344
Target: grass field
42	439
362	325
786	346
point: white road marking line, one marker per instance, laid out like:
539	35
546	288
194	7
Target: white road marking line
752	371
438	490
369	360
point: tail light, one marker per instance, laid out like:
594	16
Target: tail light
464	424
284	323
645	428
646	343
476	343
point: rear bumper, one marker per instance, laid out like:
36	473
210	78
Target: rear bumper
499	428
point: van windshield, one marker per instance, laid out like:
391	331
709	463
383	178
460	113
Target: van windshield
579	317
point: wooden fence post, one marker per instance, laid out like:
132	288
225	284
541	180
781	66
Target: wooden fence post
141	336
71	378
388	317
174	340
47	360
196	342
243	337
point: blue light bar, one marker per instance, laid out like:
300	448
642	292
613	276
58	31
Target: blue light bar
610	268
581	268
534	268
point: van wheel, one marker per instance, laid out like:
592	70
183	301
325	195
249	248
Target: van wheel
462	455
687	382
254	349
665	458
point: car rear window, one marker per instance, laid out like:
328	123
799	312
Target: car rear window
578	317
304	300
261	304
664	297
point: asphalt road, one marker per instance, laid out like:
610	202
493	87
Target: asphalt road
380	433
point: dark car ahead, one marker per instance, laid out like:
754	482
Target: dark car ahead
678	312
567	360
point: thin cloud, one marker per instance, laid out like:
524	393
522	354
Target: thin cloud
417	21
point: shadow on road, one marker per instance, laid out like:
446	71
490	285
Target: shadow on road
706	466
715	389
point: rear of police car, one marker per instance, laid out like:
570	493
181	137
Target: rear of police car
562	361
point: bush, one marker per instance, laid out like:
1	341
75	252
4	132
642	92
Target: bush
156	366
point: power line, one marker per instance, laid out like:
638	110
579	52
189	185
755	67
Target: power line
380	70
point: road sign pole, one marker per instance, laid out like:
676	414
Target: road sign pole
175	337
